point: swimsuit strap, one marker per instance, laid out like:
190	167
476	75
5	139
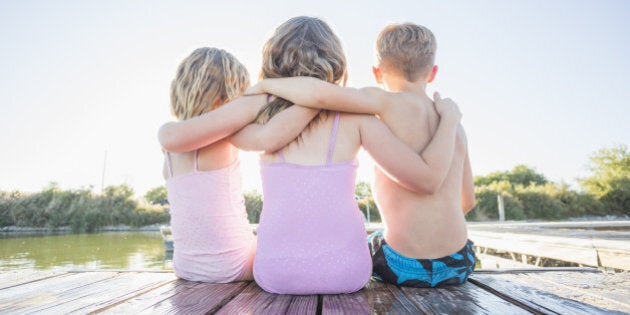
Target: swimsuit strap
333	136
281	156
168	164
196	163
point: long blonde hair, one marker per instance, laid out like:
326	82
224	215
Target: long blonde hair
301	46
205	80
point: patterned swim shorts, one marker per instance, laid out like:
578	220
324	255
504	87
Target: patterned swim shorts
391	267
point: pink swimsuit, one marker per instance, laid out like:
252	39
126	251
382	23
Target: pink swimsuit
211	234
311	236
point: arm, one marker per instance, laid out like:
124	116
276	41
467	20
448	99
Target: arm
315	93
283	128
200	131
468	185
421	174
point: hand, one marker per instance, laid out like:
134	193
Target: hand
255	89
446	106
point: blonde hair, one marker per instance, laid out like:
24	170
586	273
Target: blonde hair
205	80
301	46
408	49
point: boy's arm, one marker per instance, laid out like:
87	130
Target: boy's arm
468	185
312	92
420	173
200	131
279	131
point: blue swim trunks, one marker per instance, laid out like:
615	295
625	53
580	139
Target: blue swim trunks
390	266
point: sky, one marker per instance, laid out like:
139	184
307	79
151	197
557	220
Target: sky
84	85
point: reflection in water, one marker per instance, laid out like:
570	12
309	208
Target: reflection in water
117	250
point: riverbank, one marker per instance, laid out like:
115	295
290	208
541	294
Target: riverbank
20	230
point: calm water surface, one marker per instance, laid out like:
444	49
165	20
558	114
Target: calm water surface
114	250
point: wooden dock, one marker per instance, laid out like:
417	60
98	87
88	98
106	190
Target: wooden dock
538	291
604	245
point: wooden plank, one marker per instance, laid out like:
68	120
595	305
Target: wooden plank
614	258
375	298
32	295
496	262
537	299
607	291
255	300
599	244
111	289
196	298
463	299
16	277
149	300
380	298
548	247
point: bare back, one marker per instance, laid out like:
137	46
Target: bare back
312	146
214	156
421	226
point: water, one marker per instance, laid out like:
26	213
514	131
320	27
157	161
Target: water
114	250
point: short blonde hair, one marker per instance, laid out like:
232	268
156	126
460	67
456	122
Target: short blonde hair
302	46
205	80
408	49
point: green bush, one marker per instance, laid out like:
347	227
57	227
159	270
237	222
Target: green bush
253	205
487	205
537	204
375	215
610	179
576	204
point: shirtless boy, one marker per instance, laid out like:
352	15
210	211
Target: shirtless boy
424	242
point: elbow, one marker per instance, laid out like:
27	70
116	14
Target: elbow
272	145
468	204
426	187
167	140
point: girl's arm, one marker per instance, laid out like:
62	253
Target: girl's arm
468	184
422	173
279	131
315	93
200	131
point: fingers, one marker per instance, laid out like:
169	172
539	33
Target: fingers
436	96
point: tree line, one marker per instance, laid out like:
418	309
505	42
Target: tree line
527	195
81	210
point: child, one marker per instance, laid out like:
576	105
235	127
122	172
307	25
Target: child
424	243
212	237
311	236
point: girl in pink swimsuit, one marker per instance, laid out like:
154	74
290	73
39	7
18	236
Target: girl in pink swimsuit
213	241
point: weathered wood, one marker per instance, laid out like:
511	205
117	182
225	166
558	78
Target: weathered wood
32	295
462	299
150	300
81	292
353	303
512	288
197	298
17	277
255	300
548	291
612	253
607	291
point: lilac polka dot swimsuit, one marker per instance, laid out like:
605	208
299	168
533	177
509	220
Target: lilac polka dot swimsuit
311	236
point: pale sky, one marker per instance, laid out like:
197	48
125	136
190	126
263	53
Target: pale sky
540	83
